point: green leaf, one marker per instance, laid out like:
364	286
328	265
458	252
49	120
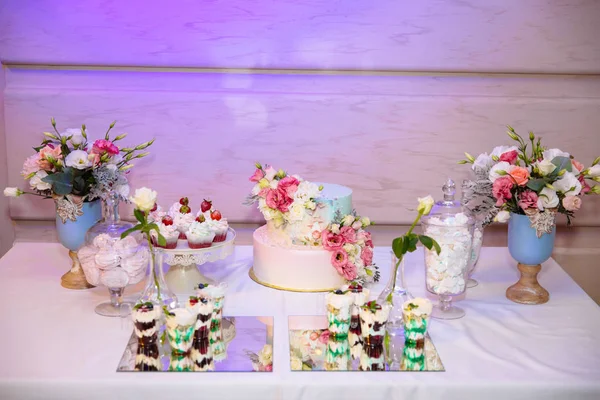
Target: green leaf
61	183
161	240
562	163
430	243
397	245
131	230
536	184
413	239
139	216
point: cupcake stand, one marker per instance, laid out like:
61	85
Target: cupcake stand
184	273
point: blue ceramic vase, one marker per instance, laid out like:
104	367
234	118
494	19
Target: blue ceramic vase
71	234
529	251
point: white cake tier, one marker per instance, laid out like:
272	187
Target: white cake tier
334	198
296	268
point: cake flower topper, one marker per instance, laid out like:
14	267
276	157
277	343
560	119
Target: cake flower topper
408	243
70	170
529	179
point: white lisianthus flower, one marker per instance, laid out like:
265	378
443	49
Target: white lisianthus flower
296	363
270	173
550	154
502	216
500	169
348	220
483	161
78	159
350	249
568	184
77	138
265	356
425	204
311	205
263	183
499	150
594	171
545	167
144	199
255	190
335	228
13	192
273	184
37	183
365	222
296	212
547	198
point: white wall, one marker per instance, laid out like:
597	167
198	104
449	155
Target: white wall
6	224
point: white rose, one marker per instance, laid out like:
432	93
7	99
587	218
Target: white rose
546	167
273	184
425	204
547	199
594	171
296	363
551	153
37	183
296	213
348	220
500	169
270	173
499	150
78	159
12	192
483	161
568	184
502	216
365	222
144	199
76	136
335	228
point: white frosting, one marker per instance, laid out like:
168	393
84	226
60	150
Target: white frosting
182	317
446	272
423	307
218	227
146	316
341	302
200	230
297	267
213	291
168	231
368	318
181	221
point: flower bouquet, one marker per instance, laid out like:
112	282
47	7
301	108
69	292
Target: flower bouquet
77	174
530	184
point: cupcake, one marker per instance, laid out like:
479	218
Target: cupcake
199	234
168	230
182	216
218	225
156	213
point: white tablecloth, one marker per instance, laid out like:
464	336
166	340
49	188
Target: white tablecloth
53	345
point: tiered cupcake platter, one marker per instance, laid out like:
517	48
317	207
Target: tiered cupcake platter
184	275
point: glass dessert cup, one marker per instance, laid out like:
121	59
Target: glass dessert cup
475	250
447	272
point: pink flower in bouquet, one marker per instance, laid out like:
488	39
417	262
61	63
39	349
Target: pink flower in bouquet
278	200
520	175
510	156
356	225
258	175
270	173
339	258
528	199
331	241
501	189
577	165
269	368
572	203
105	146
585	188
94	158
31	165
349	234
288	185
47	153
349	271
368	240
324	338
367	256
314	336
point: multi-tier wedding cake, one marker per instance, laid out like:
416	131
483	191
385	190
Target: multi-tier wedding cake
313	240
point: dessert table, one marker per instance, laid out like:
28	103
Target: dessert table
55	347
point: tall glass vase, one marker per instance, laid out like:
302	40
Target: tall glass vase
156	290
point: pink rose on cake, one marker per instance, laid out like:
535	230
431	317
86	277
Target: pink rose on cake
289	186
367	256
278	200
348	233
332	241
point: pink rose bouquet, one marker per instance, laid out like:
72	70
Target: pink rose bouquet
528	179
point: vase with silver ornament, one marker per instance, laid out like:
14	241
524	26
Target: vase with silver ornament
77	173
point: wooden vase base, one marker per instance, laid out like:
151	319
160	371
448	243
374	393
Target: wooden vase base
528	290
75	278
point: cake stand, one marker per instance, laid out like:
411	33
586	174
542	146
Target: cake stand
184	275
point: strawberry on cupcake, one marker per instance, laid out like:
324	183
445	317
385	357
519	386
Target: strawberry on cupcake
199	234
167	228
182	216
218	225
